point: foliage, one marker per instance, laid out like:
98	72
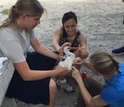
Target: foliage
5	11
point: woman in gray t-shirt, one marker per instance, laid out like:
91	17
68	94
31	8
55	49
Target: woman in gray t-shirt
31	82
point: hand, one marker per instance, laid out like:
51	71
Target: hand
73	48
61	70
61	49
76	74
84	53
78	61
60	56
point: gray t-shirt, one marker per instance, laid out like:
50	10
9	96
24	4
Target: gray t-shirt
14	44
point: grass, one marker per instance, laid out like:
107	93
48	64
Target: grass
5	11
1	6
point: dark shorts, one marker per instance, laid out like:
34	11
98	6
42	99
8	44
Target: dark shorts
34	92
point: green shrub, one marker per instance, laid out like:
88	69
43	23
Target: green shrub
5	11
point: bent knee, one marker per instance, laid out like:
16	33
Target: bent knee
53	87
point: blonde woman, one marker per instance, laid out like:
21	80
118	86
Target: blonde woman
31	82
94	94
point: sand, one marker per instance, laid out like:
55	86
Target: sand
99	20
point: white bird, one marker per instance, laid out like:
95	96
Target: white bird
68	59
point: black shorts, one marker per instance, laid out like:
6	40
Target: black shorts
34	92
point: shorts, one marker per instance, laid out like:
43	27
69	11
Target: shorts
32	92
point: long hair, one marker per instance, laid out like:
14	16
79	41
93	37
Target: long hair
104	63
69	15
28	7
66	17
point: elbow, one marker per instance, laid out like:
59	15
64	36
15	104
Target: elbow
26	78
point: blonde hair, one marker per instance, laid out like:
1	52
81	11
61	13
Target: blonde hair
104	63
28	7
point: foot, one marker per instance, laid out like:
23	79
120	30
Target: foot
65	86
118	51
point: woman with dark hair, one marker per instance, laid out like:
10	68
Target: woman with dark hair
69	34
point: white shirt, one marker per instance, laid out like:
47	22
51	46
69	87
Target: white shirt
14	44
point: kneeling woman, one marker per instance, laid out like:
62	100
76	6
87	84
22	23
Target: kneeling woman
94	94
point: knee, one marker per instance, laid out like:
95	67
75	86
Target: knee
53	87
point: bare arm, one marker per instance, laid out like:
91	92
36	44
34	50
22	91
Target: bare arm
90	101
86	64
82	40
56	39
83	46
43	50
55	42
29	75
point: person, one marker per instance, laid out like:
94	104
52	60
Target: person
69	34
93	93
120	50
31	81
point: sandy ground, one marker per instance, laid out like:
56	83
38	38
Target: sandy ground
99	20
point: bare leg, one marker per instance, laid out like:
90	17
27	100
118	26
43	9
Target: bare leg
61	78
53	90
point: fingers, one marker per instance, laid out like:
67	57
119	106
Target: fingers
73	68
73	48
62	47
73	73
78	60
66	44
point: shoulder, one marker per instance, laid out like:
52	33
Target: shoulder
6	30
59	32
108	96
81	36
6	34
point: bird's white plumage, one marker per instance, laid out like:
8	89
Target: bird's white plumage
68	59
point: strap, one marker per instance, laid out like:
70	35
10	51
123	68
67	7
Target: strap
75	40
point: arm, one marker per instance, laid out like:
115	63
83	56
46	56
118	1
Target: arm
43	50
86	64
55	42
90	101
13	50
82	40
83	46
29	75
56	39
